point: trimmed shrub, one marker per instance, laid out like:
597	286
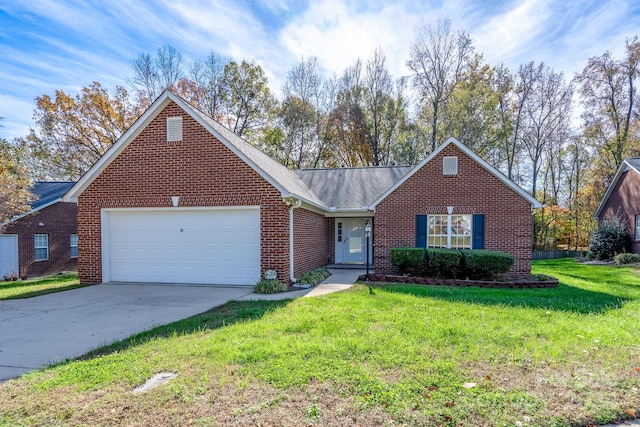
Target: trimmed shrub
407	259
314	276
444	263
611	238
622	259
269	287
481	264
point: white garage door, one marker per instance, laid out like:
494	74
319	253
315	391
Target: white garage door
217	246
8	255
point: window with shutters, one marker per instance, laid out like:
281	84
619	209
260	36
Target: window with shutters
450	231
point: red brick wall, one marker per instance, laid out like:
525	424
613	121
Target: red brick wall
311	240
199	169
625	202
59	222
508	219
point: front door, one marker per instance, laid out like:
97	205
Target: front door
351	241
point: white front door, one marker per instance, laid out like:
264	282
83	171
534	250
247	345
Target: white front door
351	241
8	255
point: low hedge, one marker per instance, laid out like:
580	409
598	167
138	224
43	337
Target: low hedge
266	286
407	259
481	264
626	258
444	262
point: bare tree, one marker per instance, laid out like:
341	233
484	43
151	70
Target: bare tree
547	117
207	75
438	58
153	75
609	93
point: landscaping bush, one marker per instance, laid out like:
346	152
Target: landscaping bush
444	263
314	276
407	259
625	258
269	287
611	238
481	264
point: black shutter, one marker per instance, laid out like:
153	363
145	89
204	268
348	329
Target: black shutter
421	231
477	232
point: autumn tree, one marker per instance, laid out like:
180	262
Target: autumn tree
15	196
302	116
437	59
247	102
203	88
608	89
73	132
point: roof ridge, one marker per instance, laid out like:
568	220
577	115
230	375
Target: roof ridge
355	167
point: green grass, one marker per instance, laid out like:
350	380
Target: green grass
39	286
400	355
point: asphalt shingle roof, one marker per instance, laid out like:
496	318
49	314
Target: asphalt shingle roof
635	162
47	192
351	187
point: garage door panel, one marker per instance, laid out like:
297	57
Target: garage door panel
174	246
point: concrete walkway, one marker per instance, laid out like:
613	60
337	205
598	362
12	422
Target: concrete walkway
340	280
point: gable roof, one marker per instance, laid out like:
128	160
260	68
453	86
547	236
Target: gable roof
632	163
46	194
283	179
351	188
474	156
321	188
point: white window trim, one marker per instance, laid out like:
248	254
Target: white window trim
449	230
637	227
35	247
71	245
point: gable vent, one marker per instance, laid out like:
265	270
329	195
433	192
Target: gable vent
450	165
174	129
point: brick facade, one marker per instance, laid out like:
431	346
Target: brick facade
58	222
311	237
624	201
199	169
508	219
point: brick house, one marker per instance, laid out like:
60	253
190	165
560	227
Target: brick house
622	199
181	199
44	240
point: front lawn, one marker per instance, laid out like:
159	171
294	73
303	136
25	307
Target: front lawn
38	286
403	354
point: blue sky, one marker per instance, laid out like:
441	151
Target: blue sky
47	45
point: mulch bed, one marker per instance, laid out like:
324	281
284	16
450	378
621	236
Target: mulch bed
507	282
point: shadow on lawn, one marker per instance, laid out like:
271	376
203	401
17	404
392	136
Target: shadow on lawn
561	298
218	317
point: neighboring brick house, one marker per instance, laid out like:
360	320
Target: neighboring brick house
44	240
179	198
622	199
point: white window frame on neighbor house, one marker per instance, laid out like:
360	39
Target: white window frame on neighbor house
73	245
637	227
443	231
40	244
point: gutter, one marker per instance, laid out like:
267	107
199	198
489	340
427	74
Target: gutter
293	203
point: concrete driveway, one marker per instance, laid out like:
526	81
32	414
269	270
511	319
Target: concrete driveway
39	331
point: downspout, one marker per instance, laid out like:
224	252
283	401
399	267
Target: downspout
293	203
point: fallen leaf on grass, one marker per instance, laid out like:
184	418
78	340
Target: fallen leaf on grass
631	413
469	385
433	388
637	369
488	377
450	404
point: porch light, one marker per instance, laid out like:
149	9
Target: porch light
367	233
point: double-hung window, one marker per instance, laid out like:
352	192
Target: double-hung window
73	245
450	231
637	227
41	247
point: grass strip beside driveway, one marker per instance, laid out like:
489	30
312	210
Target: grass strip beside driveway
38	286
411	355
